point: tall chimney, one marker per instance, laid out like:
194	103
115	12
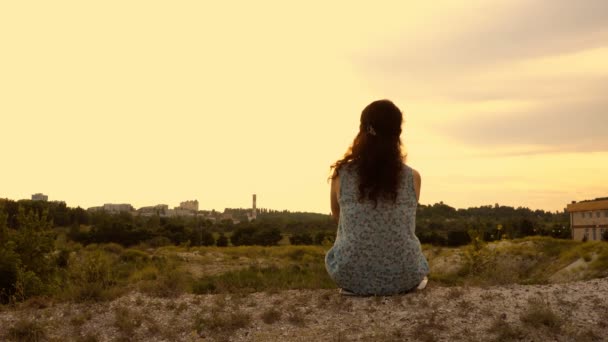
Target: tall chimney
255	211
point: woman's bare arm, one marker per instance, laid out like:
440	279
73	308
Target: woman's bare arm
417	184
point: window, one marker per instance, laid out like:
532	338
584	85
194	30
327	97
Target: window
606	213
582	215
597	214
594	236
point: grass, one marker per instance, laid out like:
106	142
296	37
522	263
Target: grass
540	314
220	323
26	330
271	316
426	329
505	331
254	279
127	322
296	317
106	271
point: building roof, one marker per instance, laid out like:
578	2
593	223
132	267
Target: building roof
588	205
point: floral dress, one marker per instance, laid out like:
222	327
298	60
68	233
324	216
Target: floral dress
376	251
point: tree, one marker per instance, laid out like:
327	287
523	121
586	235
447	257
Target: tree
302	238
268	237
243	236
222	240
207	238
458	238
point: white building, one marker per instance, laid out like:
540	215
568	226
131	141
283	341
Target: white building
189	205
117	208
159	209
40	197
588	219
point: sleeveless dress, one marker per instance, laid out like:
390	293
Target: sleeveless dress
376	251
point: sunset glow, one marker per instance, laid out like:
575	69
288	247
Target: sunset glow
149	102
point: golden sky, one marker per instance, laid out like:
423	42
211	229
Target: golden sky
148	102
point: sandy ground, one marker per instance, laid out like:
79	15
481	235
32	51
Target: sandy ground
576	311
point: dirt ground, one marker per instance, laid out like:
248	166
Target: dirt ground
576	311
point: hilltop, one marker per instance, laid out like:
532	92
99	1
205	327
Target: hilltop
533	289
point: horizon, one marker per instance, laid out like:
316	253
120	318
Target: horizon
148	103
137	207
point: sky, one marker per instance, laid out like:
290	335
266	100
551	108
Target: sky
149	102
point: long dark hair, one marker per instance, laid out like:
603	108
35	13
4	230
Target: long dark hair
376	152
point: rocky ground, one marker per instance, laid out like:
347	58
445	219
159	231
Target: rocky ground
575	311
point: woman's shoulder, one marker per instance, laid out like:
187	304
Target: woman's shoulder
410	170
346	168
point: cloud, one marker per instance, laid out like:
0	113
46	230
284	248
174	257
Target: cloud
531	29
558	126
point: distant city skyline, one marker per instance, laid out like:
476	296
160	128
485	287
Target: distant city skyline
187	204
504	100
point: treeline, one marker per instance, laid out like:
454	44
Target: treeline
129	230
437	224
440	224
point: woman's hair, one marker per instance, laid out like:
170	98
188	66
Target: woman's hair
376	152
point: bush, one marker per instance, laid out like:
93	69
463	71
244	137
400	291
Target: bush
113	248
159	241
28	331
539	313
91	275
324	237
133	255
9	272
222	240
207	238
248	236
301	239
268	237
458	238
170	282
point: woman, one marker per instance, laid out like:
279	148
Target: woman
374	195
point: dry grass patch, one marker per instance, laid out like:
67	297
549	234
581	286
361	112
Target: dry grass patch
504	331
220	324
27	331
540	314
426	329
271	315
296	317
127	322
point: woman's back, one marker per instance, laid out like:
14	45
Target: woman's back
376	250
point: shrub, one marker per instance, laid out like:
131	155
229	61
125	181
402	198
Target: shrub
91	275
221	322
324	238
63	258
170	282
539	313
222	240
207	238
113	248
133	255
159	241
126	322
271	316
9	272
303	238
458	238
27	331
